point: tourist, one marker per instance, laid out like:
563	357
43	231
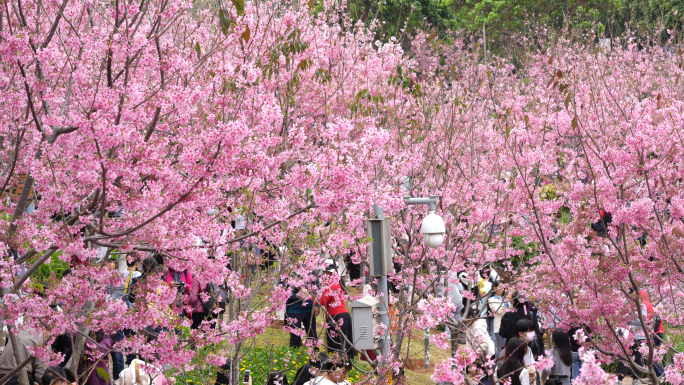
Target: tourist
195	303
498	306
523	310
524	329
562	358
478	339
513	366
339	327
300	312
97	367
277	379
56	375
27	338
333	372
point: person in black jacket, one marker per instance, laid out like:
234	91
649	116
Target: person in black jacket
63	344
523	309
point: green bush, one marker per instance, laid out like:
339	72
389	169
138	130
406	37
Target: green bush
41	277
263	360
260	361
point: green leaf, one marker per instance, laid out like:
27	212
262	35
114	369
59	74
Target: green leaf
103	373
224	21
239	6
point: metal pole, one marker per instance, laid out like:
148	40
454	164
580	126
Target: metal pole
382	289
430	201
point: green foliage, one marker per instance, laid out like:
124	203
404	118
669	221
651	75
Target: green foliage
506	18
42	276
201	373
260	361
644	16
526	252
564	215
409	14
264	360
103	373
239	6
548	192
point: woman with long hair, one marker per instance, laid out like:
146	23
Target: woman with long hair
562	358
513	366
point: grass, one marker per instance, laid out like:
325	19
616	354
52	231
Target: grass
276	338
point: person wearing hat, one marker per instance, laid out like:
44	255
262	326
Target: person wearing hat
522	309
339	320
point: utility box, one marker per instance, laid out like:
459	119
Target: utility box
363	322
380	249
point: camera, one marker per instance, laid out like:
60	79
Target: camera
181	287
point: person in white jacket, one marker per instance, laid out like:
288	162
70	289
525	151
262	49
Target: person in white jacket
451	290
477	335
498	306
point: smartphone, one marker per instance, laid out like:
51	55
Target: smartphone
245	380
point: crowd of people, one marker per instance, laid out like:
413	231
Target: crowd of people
494	323
302	310
134	275
507	328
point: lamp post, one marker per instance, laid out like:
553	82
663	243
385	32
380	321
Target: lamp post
380	252
380	263
433	227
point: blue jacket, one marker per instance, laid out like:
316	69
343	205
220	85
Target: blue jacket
297	306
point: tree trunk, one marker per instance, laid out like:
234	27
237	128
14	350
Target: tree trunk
80	340
19	209
19	356
427	347
235	366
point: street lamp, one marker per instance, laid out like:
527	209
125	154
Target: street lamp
433	227
380	251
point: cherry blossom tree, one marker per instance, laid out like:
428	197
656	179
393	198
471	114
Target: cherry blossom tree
548	147
147	126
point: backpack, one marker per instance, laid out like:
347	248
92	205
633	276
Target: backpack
216	296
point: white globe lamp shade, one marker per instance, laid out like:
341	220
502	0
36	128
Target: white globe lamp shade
433	230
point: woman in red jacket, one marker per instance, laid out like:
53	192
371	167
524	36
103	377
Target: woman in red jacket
339	321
